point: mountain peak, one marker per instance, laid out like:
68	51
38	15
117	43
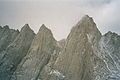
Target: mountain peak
43	28
86	24
86	18
26	28
85	21
86	27
43	25
109	33
44	31
6	27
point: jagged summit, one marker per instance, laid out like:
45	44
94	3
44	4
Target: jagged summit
26	28
109	33
86	17
86	22
6	27
43	28
45	31
86	26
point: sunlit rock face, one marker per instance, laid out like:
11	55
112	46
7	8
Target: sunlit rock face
14	52
84	55
76	61
87	55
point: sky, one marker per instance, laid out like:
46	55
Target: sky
60	15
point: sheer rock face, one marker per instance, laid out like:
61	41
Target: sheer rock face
14	53
7	36
39	54
46	71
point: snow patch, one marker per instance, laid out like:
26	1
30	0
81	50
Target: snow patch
57	74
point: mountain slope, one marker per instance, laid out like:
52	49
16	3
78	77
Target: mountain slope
39	54
86	54
76	60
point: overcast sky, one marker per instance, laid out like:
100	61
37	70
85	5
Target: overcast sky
60	15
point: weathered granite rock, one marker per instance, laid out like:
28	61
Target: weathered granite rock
14	53
87	55
76	61
45	72
39	54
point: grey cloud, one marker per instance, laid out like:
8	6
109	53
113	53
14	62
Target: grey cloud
60	15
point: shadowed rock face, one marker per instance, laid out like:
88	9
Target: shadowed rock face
14	53
84	55
110	54
7	36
